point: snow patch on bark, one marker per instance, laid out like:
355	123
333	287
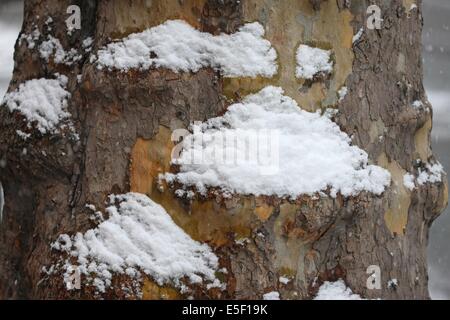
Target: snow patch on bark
274	295
342	92
418	105
41	101
179	47
336	291
312	154
358	35
432	174
53	48
312	61
31	38
284	280
139	236
408	181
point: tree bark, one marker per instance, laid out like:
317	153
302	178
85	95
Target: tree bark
124	121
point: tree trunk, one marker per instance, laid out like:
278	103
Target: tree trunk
124	122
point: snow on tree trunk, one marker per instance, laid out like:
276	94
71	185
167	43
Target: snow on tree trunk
109	133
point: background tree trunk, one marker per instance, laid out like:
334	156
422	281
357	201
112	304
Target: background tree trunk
124	121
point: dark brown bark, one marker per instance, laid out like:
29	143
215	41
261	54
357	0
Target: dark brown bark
117	115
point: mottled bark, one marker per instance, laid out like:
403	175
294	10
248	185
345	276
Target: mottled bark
124	122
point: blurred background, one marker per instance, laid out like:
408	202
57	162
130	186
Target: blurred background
10	24
436	56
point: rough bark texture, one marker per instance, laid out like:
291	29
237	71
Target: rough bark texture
124	122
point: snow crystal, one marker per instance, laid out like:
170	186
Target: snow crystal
64	243
330	113
342	93
358	35
30	38
96	216
312	61
91	207
284	280
179	47
23	135
43	101
312	153
53	47
392	283
242	241
217	284
223	270
336	291
431	174
48	22
139	235
88	42
188	194
274	295
419	105
408	181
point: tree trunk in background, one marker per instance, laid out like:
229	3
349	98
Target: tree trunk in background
124	121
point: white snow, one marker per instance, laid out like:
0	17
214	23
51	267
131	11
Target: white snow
284	280
274	295
358	35
23	135
432	173
336	291
312	61
53	48
180	193
311	154
216	284
392	283
87	44
139	236
408	181
96	216
31	38
419	105
179	47
43	101
342	93
330	113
